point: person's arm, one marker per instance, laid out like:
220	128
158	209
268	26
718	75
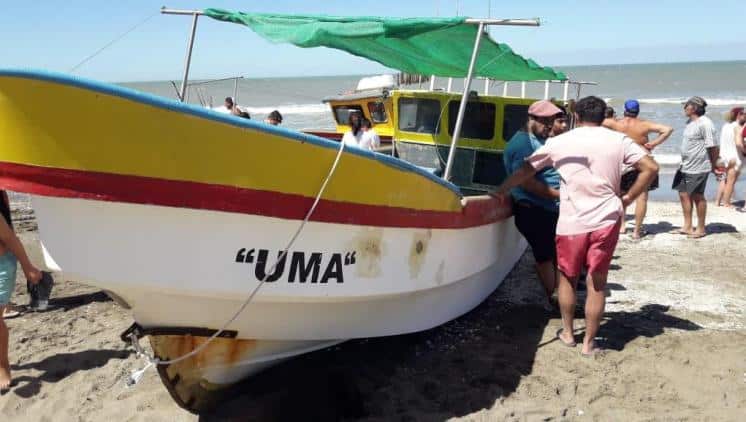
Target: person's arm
713	150
526	171
542	190
376	140
538	160
648	168
11	241
738	137
610	123
663	131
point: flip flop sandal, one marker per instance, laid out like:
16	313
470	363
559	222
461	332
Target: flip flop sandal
697	235
679	231
563	342
11	314
595	351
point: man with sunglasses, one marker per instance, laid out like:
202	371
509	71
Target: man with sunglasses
536	200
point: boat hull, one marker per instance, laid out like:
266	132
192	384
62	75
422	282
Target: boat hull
180	213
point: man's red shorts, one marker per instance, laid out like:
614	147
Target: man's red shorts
594	249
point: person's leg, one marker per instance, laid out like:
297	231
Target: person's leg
595	303
566	297
686	206
571	252
623	227
4	362
546	272
602	244
641	208
720	193
730	182
701	203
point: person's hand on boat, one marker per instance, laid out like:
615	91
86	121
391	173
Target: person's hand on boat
33	274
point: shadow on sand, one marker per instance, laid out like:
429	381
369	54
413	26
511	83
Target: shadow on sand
666	227
59	366
453	370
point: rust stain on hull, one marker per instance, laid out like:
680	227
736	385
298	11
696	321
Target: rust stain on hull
185	380
369	248
418	251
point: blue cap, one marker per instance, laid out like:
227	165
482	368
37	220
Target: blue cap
632	106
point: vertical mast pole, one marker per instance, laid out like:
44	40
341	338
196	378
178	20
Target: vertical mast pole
188	60
235	90
462	105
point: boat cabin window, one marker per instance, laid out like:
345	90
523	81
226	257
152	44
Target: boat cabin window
420	115
377	112
516	116
479	119
342	113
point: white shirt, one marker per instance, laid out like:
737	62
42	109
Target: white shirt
352	140
370	140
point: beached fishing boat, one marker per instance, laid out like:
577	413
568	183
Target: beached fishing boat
187	216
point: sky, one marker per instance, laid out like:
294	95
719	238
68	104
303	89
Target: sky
57	36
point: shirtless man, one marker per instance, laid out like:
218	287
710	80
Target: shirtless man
639	130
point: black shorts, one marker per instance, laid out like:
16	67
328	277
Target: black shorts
629	179
539	227
691	183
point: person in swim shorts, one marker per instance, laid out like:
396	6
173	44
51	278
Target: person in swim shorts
589	161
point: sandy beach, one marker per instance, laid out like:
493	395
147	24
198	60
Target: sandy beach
675	326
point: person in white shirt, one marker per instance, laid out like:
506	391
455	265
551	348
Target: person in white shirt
370	139
353	136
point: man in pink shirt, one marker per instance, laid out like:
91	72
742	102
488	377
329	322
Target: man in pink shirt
589	160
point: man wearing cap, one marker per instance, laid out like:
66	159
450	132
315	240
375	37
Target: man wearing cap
536	200
638	130
591	208
699	154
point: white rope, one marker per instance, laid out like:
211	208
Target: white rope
110	43
152	360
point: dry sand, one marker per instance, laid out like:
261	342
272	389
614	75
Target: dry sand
676	327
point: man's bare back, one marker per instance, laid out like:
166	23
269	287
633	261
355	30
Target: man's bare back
639	130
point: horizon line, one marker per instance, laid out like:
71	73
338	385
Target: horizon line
394	71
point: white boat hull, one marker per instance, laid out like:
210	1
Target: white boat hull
177	267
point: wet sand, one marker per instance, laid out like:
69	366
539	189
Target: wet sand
675	327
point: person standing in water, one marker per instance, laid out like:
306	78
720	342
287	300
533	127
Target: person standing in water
639	130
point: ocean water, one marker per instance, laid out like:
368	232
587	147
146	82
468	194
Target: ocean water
660	88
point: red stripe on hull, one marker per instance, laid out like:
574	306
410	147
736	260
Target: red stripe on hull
110	187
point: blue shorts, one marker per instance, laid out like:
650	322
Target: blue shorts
7	277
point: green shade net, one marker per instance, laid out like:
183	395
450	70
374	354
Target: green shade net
426	46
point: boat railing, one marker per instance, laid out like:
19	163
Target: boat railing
204	99
566	86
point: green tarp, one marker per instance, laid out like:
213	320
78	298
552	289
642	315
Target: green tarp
426	46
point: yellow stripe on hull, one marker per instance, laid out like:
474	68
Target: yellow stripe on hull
53	124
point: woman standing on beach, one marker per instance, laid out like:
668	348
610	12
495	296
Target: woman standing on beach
11	252
731	153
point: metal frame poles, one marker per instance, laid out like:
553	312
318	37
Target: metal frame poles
462	105
187	62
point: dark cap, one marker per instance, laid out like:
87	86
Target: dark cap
275	115
696	101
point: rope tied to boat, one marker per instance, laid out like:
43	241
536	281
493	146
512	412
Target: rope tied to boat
154	361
